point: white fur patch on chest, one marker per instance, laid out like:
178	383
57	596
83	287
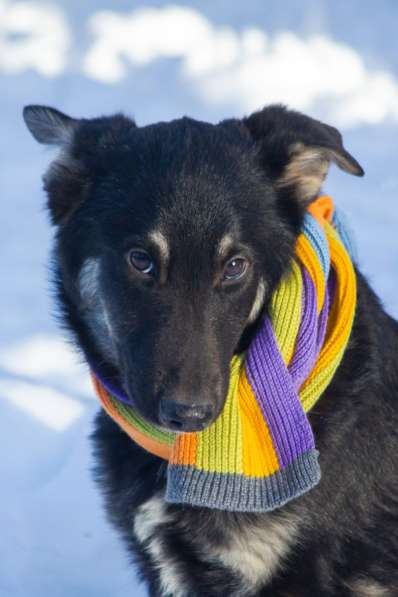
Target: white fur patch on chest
147	528
256	552
364	587
253	552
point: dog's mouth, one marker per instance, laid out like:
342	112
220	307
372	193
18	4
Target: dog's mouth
187	428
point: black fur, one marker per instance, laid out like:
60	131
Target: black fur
174	332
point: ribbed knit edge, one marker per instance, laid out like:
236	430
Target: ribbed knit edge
239	493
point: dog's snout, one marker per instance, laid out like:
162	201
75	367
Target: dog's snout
184	417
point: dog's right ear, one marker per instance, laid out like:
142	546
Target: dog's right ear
87	147
66	181
49	126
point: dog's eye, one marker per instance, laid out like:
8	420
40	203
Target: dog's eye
141	261
235	268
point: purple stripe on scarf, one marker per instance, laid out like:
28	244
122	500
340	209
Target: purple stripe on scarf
276	387
323	318
279	402
305	351
114	391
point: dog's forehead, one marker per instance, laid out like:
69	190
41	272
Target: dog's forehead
187	148
182	186
183	174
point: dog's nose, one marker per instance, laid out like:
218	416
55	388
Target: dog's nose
184	417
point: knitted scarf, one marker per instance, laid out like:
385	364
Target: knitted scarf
260	451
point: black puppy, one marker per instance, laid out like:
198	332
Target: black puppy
170	241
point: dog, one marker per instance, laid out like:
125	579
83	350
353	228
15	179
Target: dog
170	240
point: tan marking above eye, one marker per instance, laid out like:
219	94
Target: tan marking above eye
160	241
225	245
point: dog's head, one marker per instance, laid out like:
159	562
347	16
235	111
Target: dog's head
171	239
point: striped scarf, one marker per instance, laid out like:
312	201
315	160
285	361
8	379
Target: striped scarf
260	452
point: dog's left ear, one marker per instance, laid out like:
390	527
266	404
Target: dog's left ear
296	150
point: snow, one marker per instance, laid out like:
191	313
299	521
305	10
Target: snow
217	60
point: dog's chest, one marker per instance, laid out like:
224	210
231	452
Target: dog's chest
250	549
256	550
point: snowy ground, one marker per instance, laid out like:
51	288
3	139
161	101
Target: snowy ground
335	61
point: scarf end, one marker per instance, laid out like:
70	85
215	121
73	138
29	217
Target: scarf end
239	493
